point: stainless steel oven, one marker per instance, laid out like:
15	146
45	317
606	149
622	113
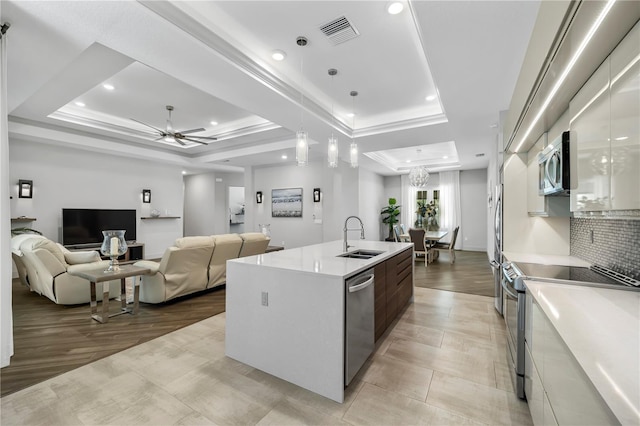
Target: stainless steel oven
514	290
514	311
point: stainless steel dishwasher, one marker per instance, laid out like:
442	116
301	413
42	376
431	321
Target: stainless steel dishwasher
359	322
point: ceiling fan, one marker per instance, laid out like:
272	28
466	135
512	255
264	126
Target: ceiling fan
170	135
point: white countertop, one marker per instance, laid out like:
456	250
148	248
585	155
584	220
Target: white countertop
322	258
601	327
545	259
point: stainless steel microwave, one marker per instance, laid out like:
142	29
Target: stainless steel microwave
553	164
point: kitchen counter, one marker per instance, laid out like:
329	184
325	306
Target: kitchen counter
323	258
545	259
285	311
601	328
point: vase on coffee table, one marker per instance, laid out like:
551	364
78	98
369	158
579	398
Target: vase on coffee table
114	246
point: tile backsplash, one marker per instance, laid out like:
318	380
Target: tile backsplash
612	243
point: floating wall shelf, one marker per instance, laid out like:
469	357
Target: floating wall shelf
160	217
22	219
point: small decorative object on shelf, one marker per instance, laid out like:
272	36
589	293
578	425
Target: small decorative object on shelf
154	213
113	245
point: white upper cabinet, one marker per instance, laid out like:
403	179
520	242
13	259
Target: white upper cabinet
625	123
590	148
605	133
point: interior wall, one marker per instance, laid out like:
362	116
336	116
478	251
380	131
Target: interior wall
199	202
290	232
206	202
474	206
71	178
371	201
522	233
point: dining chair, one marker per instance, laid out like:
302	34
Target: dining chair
396	233
449	246
419	247
403	228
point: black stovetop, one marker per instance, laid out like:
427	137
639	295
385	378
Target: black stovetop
571	273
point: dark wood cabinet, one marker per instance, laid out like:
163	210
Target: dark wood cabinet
393	289
380	303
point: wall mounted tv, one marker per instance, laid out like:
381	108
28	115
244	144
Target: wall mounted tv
85	226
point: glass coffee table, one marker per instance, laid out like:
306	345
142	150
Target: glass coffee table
98	275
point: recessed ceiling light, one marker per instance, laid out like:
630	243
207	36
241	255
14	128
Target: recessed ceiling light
214	123
278	55
80	104
445	157
184	172
622	138
108	86
430	98
351	115
284	156
395	7
408	161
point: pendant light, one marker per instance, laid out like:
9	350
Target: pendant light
302	144
332	148
353	151
418	176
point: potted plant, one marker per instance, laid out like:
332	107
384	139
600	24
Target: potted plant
392	211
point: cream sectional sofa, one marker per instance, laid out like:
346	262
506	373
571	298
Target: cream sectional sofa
46	267
195	264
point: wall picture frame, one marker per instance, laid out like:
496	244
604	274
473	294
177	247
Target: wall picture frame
286	202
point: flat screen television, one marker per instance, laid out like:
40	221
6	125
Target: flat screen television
85	226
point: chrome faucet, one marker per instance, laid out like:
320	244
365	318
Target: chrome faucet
346	245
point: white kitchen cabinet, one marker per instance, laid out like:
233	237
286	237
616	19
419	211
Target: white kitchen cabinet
557	389
540	205
625	123
605	133
590	147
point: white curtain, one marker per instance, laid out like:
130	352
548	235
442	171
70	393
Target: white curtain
6	319
450	212
408	202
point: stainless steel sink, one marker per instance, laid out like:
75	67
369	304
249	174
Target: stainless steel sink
361	254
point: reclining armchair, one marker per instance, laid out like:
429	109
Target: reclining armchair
47	268
181	271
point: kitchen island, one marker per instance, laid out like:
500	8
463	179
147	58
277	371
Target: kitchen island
285	311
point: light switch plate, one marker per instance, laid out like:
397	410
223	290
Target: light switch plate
265	298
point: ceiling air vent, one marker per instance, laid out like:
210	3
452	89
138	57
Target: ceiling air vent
339	30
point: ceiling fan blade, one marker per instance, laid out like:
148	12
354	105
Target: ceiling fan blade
179	140
148	125
184	132
196	141
204	137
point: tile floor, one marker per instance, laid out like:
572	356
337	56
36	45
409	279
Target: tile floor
443	362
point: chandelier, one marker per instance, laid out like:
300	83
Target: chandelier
419	176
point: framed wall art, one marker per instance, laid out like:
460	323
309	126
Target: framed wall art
286	202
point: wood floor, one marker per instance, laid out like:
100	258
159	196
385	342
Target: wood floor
52	339
469	274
